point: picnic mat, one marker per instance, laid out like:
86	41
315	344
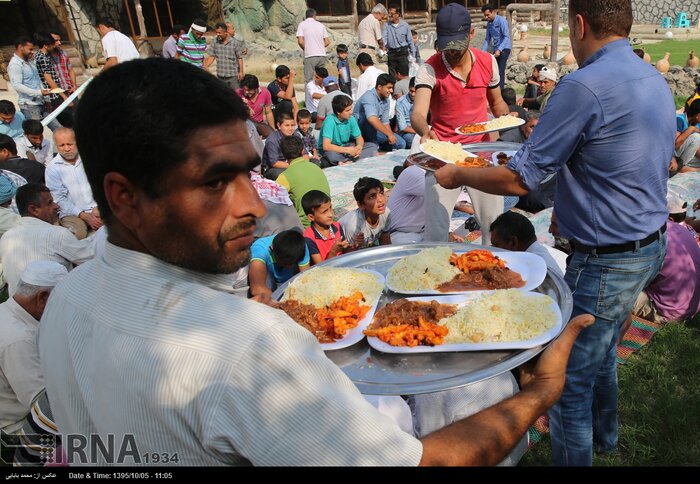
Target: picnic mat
640	333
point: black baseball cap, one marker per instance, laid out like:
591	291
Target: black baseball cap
453	22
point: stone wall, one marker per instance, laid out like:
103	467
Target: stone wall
651	11
86	12
273	20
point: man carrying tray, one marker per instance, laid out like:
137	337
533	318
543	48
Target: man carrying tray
455	85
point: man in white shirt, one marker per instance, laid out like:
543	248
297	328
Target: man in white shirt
32	145
369	31
513	231
148	341
21	378
65	177
312	37
368	78
36	237
315	91
117	47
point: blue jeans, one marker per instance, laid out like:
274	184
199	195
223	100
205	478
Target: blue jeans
383	141
605	286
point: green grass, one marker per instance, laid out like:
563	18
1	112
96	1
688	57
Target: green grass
678	48
659	404
548	31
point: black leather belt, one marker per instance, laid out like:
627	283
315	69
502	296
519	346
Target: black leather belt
363	46
626	247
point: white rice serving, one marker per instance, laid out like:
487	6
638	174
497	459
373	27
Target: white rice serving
446	151
422	271
506	315
505	121
322	286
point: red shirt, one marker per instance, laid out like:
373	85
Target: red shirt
453	105
258	105
317	244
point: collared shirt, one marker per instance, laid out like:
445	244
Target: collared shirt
69	186
61	62
370	104
407	202
369	31
42	154
131	344
13	129
318	244
325	104
44	65
192	50
273	150
311	89
309	140
257	105
227	55
611	152
367	81
497	30
404	108
26	81
169	48
313	32
398	35
21	379
33	239
116	44
339	132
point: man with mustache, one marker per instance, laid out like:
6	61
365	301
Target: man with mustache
147	339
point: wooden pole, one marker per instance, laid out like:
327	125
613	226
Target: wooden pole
555	30
131	21
155	10
170	14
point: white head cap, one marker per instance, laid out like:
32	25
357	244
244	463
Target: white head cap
548	73
199	28
43	273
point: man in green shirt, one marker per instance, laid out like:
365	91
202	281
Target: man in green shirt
302	176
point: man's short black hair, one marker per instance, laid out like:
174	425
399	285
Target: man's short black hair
221	25
312	200
32	127
412	82
7	143
384	79
402	69
341	48
22	40
539	67
363	186
364	59
605	17
250	81
6	107
289	247
177	28
281	71
283	115
678	217
29	194
694	108
292	147
321	72
513	224
106	21
395	6
150	121
303	114
340	103
508	95
487	7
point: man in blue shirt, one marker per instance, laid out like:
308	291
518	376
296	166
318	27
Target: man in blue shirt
404	108
372	113
611	154
26	81
10	120
497	30
398	40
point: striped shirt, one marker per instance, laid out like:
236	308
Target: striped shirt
33	239
192	50
69	186
63	67
131	344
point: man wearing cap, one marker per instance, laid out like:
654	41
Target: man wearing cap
8	217
325	104
456	86
37	237
368	78
21	378
312	37
611	154
548	81
192	46
369	31
117	47
398	40
674	294
497	31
